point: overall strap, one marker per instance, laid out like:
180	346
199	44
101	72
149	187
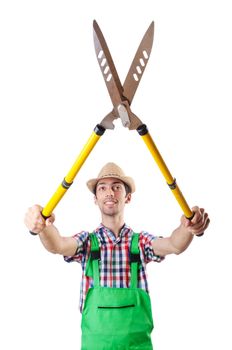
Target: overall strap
95	256
134	260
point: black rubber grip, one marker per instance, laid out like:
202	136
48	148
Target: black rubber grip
99	130
66	184
142	130
200	234
173	185
33	233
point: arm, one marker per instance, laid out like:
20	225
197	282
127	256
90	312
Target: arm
48	233
181	237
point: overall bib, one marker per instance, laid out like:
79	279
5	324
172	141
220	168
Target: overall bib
116	318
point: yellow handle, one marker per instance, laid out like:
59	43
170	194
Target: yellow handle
68	180
164	170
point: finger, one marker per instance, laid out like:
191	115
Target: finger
36	208
197	215
34	223
200	223
39	218
34	215
202	228
34	227
198	231
205	218
207	223
197	228
202	210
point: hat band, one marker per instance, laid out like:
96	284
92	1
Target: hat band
111	175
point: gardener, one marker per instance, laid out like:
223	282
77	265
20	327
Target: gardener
114	299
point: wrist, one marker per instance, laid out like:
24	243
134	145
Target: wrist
186	230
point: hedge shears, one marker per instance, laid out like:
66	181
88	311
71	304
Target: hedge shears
121	97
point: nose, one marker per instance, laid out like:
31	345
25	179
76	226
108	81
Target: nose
109	192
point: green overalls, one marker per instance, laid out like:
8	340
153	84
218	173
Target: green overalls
116	318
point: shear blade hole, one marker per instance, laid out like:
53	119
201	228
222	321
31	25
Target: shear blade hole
135	77
106	69
109	77
100	54
139	70
142	62
103	62
145	54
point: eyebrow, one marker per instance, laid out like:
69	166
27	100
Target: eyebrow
113	183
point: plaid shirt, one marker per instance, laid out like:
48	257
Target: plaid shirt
115	263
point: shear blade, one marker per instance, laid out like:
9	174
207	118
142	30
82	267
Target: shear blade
107	66
139	64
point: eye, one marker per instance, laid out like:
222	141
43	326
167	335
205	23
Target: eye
117	187
101	188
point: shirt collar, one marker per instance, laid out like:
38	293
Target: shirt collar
102	230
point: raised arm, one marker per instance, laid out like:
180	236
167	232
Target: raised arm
181	237
48	233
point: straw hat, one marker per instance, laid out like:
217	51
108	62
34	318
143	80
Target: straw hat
111	170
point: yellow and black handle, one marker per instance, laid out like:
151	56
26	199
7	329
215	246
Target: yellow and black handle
69	178
143	132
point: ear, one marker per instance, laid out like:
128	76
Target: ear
95	200
128	198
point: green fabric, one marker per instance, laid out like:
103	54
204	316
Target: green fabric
95	264
116	318
134	266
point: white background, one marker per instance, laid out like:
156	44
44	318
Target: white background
52	95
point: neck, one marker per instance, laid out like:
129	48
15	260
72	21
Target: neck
113	223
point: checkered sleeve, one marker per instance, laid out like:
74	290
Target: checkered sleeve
145	241
82	242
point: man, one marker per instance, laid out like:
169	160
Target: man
114	299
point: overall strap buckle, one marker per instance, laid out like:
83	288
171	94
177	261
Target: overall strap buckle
135	258
134	249
95	255
94	248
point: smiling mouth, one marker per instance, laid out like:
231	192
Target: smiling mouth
109	202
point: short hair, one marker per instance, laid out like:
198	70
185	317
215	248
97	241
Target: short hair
127	188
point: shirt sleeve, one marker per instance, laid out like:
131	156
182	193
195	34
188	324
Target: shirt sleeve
145	241
82	243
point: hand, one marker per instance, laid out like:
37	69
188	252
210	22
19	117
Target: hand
199	222
35	221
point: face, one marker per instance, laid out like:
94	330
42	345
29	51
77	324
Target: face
111	196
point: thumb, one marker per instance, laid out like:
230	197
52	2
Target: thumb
48	222
185	222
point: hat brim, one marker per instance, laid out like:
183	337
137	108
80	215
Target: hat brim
92	183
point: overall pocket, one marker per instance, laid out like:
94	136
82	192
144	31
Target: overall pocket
117	311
